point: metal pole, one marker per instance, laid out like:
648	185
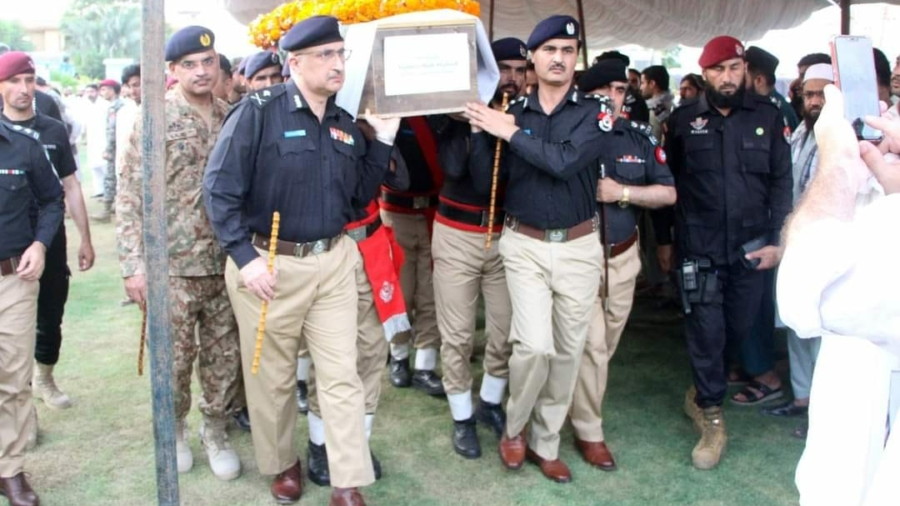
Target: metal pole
156	248
491	22
584	48
845	17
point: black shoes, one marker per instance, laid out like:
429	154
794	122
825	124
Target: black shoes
302	397
241	419
787	409
465	439
428	382
491	415
317	465
400	376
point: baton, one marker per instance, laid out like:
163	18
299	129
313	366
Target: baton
493	207
261	328
143	339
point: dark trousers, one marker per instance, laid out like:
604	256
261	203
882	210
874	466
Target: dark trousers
710	326
52	298
758	351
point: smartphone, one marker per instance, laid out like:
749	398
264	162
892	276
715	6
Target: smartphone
854	73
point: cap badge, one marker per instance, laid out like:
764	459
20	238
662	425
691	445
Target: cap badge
570	28
739	50
522	51
760	131
205	40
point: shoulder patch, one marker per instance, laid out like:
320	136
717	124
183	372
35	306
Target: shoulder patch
262	97
660	154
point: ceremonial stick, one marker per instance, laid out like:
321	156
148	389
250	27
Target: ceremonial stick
261	328
143	339
493	207
607	248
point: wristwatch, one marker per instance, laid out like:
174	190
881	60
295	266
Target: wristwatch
626	197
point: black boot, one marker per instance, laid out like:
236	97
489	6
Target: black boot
428	382
242	419
465	439
317	465
302	398
491	415
376	466
400	373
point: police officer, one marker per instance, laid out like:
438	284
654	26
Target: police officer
633	175
760	78
18	99
290	149
26	178
463	269
729	152
197	292
550	246
635	107
262	70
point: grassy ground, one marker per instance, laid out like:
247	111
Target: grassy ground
100	452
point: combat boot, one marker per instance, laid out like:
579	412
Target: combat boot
691	410
713	439
104	215
45	387
183	455
223	460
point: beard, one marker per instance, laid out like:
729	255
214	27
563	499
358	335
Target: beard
723	101
509	88
810	118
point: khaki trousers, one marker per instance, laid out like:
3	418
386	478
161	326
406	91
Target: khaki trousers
315	296
411	231
604	332
18	323
552	287
462	270
371	347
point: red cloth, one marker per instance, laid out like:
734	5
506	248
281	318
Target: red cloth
428	145
14	63
382	259
720	49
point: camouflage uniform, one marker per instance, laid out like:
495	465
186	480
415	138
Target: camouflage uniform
109	181
197	293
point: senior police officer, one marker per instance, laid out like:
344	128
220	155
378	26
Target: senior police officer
18	99
197	292
290	149
26	178
550	246
729	152
463	269
263	70
633	175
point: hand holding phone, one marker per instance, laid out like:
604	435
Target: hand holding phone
853	61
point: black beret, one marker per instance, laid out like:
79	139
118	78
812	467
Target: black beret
602	73
554	27
882	67
189	40
761	59
242	66
311	32
259	61
509	48
224	64
613	55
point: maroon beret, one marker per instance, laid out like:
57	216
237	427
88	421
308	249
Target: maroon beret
14	63
112	83
720	49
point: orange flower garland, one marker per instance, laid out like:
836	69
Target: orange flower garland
267	29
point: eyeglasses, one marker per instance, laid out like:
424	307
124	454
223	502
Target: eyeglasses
329	54
809	95
206	62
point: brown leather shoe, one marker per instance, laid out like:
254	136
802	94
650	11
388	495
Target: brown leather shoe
596	454
346	497
287	487
512	451
556	470
18	492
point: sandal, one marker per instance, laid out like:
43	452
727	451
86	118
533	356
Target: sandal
756	393
738	378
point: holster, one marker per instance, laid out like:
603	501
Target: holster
705	288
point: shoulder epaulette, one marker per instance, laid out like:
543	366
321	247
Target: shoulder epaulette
262	97
686	103
643	129
25	131
767	100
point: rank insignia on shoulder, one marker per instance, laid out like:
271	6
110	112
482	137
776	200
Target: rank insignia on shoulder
653	140
340	135
26	131
258	98
775	101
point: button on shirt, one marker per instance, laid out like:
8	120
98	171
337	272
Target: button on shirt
274	155
25	176
550	163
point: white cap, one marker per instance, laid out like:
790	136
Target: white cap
819	71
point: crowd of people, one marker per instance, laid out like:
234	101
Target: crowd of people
387	235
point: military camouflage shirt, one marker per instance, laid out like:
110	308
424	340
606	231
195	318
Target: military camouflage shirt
111	131
193	249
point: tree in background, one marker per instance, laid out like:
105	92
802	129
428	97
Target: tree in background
100	29
12	33
671	58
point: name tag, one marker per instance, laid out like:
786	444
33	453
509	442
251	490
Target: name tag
294	133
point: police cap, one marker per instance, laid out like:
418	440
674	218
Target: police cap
554	27
261	61
509	48
189	40
311	32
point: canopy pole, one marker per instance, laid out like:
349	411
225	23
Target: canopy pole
156	250
491	21
845	17
584	48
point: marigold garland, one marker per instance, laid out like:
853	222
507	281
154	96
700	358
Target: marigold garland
267	29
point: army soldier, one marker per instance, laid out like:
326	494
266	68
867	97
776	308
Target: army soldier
463	269
633	175
109	90
550	244
411	215
729	152
18	99
26	178
263	70
196	262
290	149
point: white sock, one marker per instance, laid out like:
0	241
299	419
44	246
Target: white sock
492	389
426	359
316	429
303	364
460	405
370	419
399	351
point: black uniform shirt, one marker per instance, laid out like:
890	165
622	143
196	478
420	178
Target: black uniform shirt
55	139
420	180
634	159
25	176
274	155
733	176
635	106
549	164
453	148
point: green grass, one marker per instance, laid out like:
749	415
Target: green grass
100	452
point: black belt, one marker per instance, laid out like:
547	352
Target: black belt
476	218
409	202
298	249
364	232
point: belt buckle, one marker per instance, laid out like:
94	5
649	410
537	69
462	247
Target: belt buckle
358	233
299	250
318	247
421	202
556	235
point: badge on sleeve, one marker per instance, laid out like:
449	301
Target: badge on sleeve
787	132
604	121
660	155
